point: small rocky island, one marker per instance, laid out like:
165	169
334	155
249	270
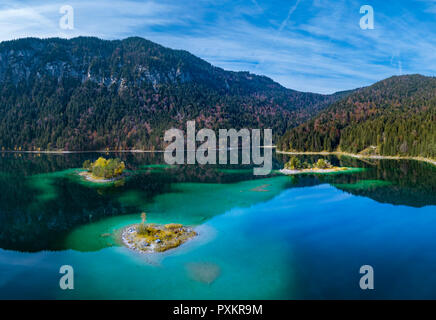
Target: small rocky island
103	170
295	166
149	237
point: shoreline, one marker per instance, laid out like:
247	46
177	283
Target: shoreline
110	151
357	156
325	153
313	171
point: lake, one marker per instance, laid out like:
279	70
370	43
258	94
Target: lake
272	237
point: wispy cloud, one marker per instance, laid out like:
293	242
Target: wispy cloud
108	19
305	45
290	12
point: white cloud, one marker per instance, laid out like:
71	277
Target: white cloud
309	46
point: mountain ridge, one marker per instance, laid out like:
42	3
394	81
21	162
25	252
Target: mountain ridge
87	94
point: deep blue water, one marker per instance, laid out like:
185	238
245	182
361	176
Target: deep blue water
273	238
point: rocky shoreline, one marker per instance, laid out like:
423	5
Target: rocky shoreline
314	170
151	238
88	176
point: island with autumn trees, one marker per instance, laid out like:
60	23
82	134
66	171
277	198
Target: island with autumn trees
103	170
295	166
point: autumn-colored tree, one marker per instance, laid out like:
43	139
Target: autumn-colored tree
105	168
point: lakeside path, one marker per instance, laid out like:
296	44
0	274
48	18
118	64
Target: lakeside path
359	156
87	151
110	151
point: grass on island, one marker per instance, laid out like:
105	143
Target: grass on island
156	238
104	169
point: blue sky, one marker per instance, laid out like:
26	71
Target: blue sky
307	45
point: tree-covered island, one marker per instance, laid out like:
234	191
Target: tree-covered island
103	169
294	166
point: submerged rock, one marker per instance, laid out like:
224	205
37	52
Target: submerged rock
205	272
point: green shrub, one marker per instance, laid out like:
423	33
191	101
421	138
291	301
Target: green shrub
293	164
322	164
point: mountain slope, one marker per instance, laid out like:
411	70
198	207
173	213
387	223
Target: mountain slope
396	116
88	94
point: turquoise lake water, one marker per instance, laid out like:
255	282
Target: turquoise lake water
274	237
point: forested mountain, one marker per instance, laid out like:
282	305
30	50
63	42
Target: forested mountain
396	116
92	94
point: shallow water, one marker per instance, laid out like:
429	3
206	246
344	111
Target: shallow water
275	237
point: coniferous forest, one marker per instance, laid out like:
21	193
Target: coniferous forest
92	94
